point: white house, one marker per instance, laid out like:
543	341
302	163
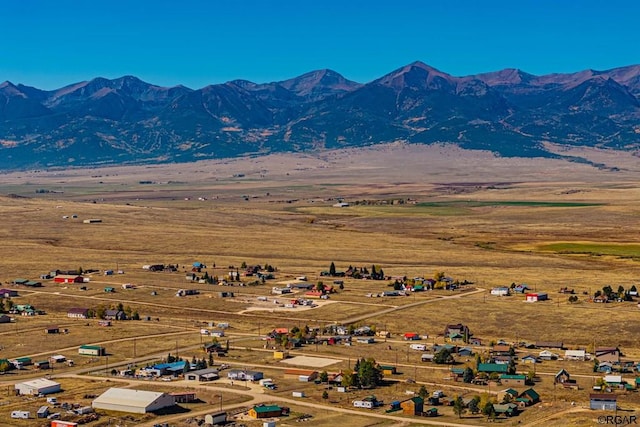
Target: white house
613	379
575	355
500	291
547	355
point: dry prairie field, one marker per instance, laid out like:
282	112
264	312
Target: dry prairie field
413	211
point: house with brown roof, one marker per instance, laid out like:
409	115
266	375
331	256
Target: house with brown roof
608	354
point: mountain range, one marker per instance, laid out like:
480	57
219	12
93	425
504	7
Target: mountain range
128	121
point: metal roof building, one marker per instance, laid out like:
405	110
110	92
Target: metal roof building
39	386
132	401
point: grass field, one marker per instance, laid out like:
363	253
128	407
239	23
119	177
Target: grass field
557	226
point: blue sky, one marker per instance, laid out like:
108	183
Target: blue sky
49	44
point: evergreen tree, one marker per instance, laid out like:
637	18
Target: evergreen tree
369	373
332	269
473	405
467	375
423	393
458	407
488	410
443	356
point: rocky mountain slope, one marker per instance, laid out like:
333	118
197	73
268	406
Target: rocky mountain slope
126	120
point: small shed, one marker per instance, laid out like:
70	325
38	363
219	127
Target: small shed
43	412
217	418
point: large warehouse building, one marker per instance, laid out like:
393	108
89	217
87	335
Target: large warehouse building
132	401
38	386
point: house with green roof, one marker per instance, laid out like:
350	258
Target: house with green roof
489	368
506	409
515	379
528	397
265	411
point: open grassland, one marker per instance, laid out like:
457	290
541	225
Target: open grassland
557	225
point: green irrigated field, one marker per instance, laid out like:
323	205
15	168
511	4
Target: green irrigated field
596	249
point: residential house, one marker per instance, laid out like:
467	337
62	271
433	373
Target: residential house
161	369
207	374
457	330
529	358
606	367
507	395
427	357
67	278
521	289
457	374
513	380
465	351
5	319
502	350
78	313
601	299
536	296
114	315
603	402
506	409
502	291
547	355
575	355
528	397
608	354
368	402
8	293
413	406
613	380
562	377
493	367
265	411
244	375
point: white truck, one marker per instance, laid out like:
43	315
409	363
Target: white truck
418	347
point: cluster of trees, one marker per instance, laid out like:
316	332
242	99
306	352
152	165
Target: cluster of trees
6	305
479	404
267	267
100	311
620	294
365	374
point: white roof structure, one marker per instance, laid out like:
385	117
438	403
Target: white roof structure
133	401
578	354
37	386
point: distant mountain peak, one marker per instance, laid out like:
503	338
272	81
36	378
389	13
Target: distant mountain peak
127	120
508	76
323	81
